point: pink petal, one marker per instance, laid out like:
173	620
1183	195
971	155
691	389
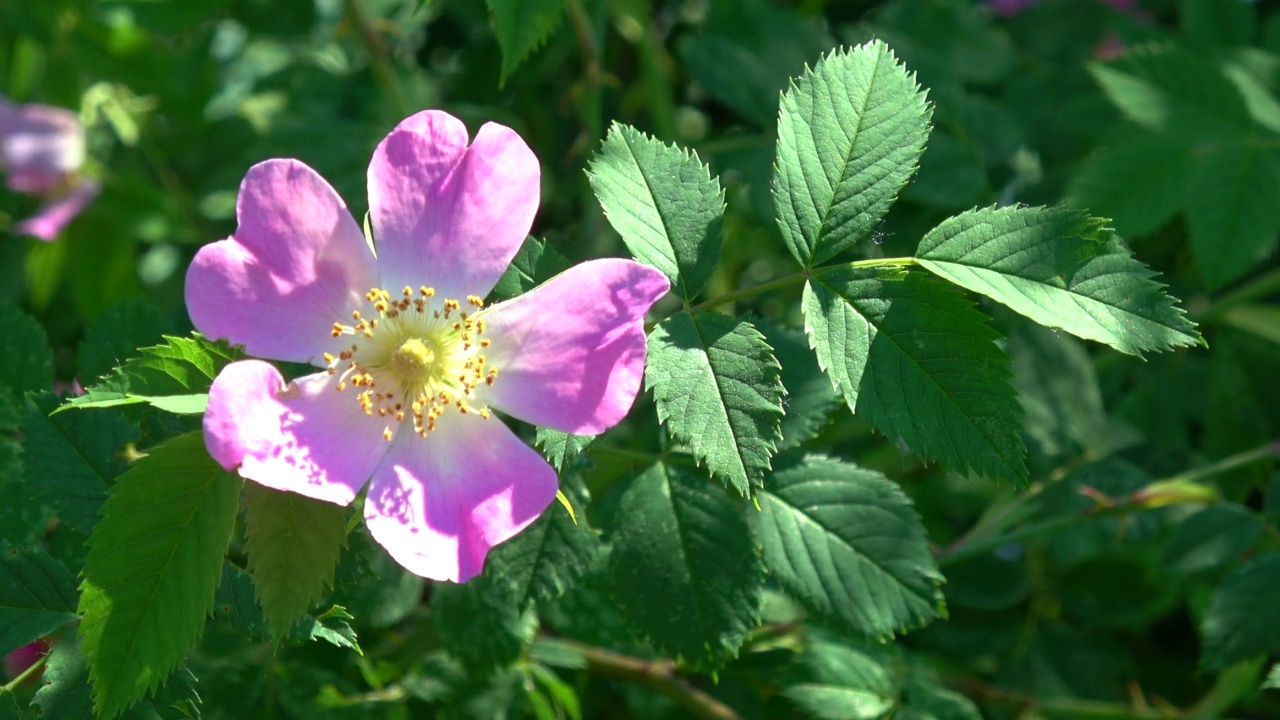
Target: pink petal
304	438
438	504
570	354
296	264
53	216
448	215
39	145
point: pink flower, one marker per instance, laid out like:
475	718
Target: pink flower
16	662
413	361
41	150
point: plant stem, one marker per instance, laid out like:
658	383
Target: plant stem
593	102
35	666
1259	287
383	73
792	279
1229	463
659	675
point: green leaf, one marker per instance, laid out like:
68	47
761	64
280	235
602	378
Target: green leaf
1057	386
181	366
478	626
536	262
561	449
1258	319
850	135
684	569
842	683
154	561
72	458
330	626
913	356
1140	184
521	26
1243	619
1272	681
847	543
1167	89
372	586
37	596
234	603
717	387
1062	269
132	324
1263	106
664	203
1212	538
28	362
809	399
292	544
1233	211
9	709
544	560
65	691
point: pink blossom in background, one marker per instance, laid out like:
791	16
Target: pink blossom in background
41	152
412	361
16	662
1009	8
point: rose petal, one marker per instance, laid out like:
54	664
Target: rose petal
39	145
304	438
296	265
52	217
448	215
570	353
438	504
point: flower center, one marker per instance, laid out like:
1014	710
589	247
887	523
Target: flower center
416	360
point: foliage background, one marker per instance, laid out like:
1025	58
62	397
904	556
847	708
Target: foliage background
1091	594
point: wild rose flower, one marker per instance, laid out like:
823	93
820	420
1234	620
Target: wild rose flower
41	151
413	362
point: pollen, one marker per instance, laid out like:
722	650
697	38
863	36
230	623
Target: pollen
415	359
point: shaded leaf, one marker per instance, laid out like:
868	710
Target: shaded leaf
1211	538
521	26
28	362
479	626
1233	211
115	335
850	135
848	544
536	262
544	560
913	356
292	544
810	398
684	569
1243	618
37	596
1140	184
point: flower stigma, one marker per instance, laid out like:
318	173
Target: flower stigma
416	360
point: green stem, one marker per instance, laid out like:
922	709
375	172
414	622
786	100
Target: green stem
658	675
1259	287
593	101
794	278
379	60
35	667
1227	464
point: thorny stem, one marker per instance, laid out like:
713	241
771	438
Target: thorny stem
977	542
659	675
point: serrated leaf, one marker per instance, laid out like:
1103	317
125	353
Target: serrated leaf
292	544
65	692
480	627
1057	386
182	366
536	262
1167	89
664	203
132	324
72	458
544	560
718	389
1243	618
1211	538
850	135
913	356
234	603
561	449
848	544
684	569
153	564
1140	184
1062	269
372	586
28	362
842	683
330	626
810	398
521	26
1233	211
37	596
